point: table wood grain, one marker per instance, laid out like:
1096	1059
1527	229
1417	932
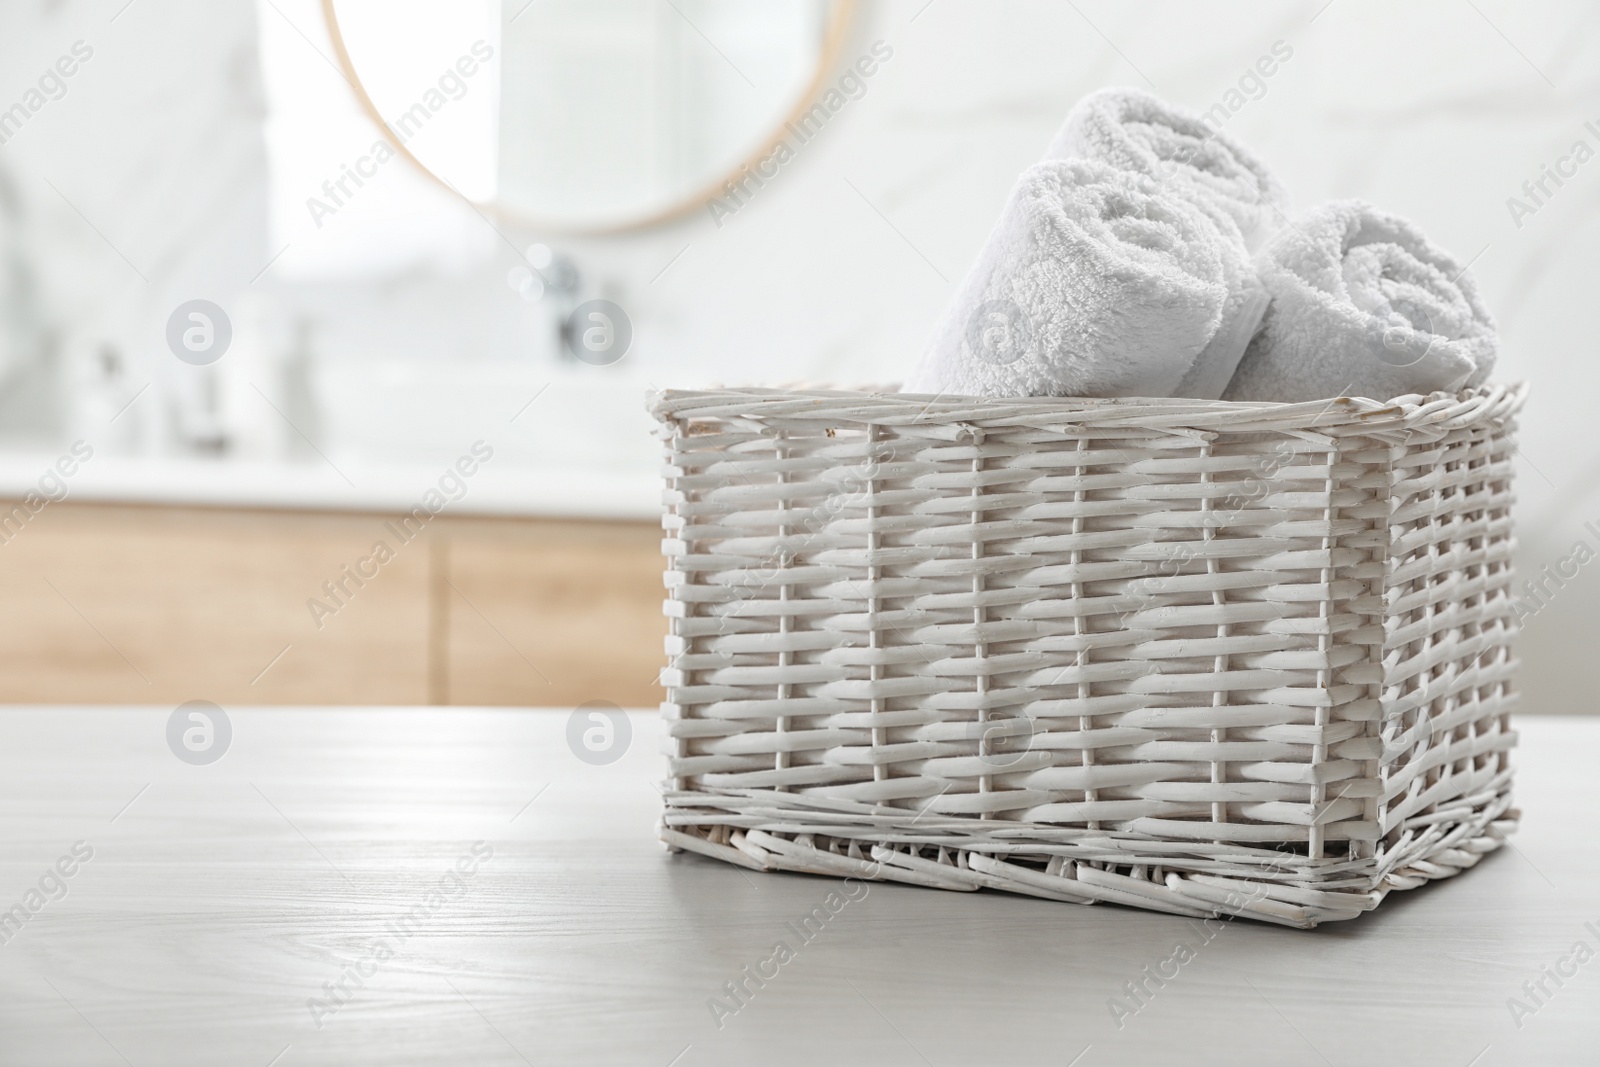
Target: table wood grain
290	904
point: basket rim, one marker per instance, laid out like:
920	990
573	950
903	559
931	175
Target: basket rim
1431	413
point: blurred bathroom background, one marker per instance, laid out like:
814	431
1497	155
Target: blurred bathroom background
277	327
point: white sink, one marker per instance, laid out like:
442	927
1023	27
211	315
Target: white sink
568	420
574	442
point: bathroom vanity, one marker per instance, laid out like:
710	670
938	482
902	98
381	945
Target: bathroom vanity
275	590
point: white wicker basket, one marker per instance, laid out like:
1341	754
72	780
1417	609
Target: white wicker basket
1206	658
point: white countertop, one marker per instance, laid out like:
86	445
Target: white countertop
495	489
223	902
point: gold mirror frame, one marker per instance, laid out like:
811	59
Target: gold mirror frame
839	20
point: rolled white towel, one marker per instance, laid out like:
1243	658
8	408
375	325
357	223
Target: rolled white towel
1242	311
1363	305
1134	130
1093	283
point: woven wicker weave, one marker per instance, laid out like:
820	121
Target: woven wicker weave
1201	657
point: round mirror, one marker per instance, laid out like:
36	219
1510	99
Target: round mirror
586	116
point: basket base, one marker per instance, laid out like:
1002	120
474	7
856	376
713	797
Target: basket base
1289	890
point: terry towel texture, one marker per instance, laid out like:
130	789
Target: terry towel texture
1092	283
1151	255
1133	130
1242	311
1363	305
1136	131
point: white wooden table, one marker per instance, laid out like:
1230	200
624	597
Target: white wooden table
222	900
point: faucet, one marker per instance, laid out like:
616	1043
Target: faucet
552	277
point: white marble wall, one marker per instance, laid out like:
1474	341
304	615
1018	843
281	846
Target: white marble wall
141	186
1438	109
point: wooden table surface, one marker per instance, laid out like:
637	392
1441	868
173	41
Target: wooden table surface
290	904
